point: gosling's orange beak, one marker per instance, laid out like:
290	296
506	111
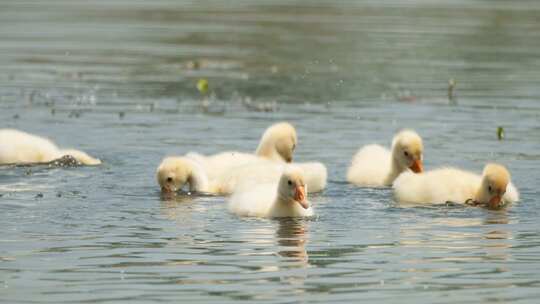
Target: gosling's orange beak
417	167
494	201
300	196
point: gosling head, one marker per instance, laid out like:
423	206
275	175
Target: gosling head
495	179
292	188
173	173
407	150
278	142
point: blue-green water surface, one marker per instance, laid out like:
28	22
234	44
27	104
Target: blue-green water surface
118	80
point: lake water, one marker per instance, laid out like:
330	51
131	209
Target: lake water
118	80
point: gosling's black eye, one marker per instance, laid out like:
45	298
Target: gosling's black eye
406	153
169	179
289	182
489	188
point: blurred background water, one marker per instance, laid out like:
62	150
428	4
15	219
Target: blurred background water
118	80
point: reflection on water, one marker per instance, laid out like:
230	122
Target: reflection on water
292	235
118	80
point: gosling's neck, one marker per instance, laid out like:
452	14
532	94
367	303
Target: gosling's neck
198	179
283	205
266	150
481	196
395	170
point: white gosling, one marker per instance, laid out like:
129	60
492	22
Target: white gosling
492	189
375	166
278	142
18	147
265	171
285	198
226	169
219	164
175	172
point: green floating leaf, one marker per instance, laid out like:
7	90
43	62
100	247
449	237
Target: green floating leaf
500	133
202	86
